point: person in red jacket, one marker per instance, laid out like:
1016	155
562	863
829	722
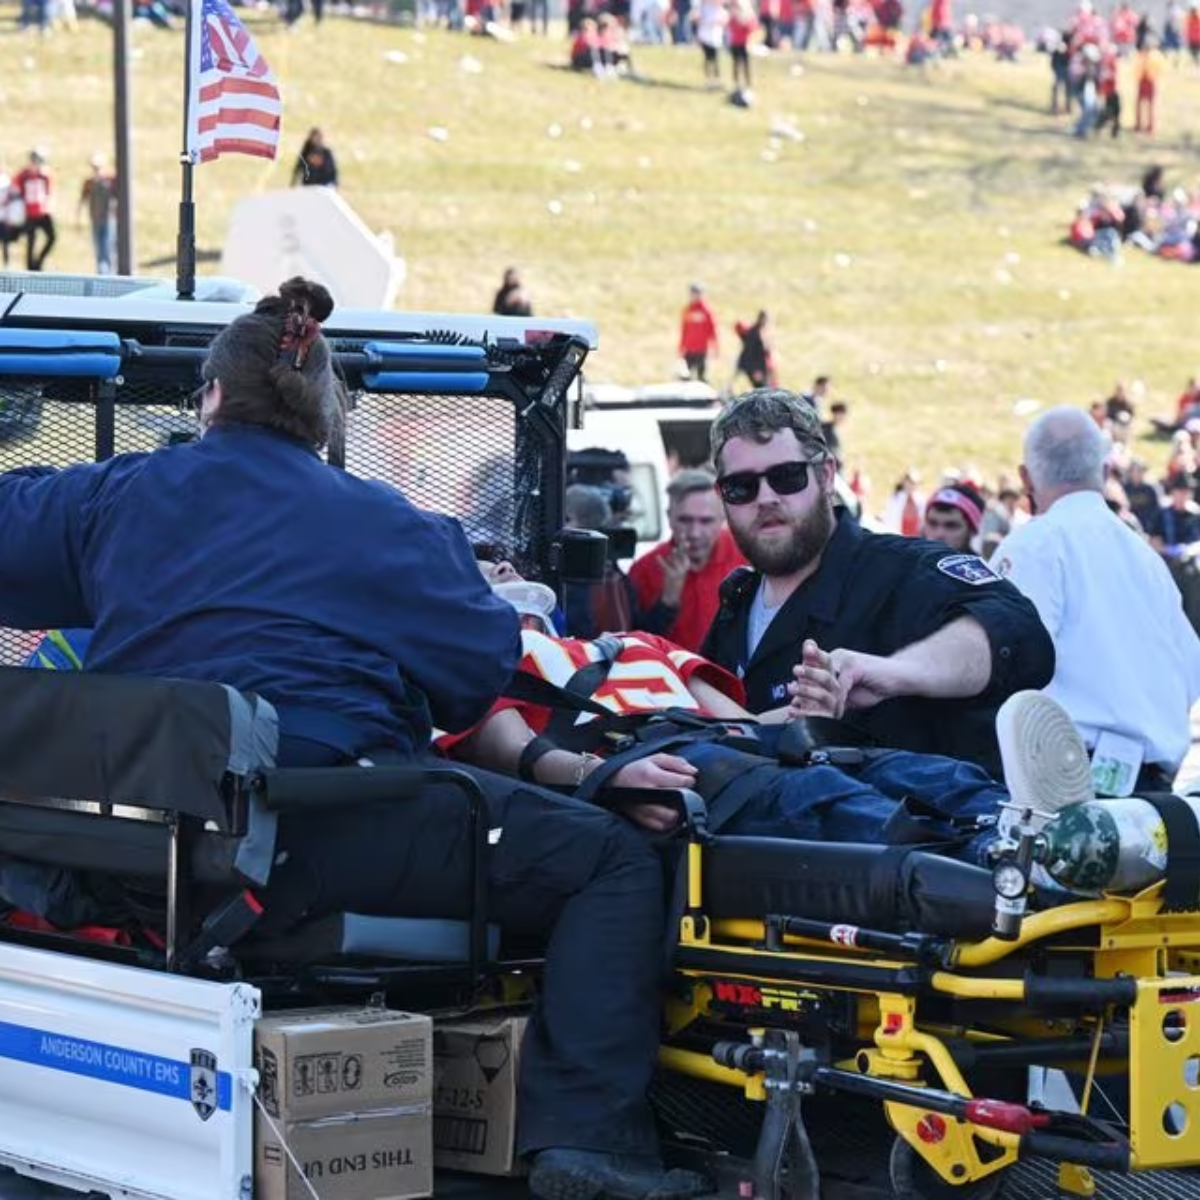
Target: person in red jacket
742	25
697	334
678	583
34	186
941	25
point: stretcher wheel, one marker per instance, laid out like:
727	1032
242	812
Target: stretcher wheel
914	1179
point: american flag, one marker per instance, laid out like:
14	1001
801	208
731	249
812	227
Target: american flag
233	103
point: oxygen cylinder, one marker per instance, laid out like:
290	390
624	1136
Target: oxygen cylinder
1107	845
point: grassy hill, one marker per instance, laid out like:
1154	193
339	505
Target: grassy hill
904	231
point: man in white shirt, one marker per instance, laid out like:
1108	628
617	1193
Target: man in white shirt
1128	660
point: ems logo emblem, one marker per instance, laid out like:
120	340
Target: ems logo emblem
967	568
204	1083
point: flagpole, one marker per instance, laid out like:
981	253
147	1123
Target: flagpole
121	138
185	243
185	249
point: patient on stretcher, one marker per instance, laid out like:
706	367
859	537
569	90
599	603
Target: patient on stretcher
634	711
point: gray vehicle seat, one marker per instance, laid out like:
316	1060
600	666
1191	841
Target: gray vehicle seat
155	801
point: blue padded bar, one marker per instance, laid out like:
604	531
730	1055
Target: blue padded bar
437	382
57	353
402	356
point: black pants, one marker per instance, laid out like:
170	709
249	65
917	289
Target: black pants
571	873
34	260
697	364
741	66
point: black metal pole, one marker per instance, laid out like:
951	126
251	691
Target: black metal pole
185	245
185	250
124	150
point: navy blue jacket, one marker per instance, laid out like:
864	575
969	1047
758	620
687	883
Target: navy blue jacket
878	593
245	559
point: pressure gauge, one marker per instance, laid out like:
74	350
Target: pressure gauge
1009	880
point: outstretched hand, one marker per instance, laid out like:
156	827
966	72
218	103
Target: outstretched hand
829	684
865	679
816	689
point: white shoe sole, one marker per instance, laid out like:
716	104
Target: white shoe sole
1046	764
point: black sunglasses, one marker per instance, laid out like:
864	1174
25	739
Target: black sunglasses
786	479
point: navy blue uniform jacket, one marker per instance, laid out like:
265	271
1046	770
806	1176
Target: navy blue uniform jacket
245	559
878	593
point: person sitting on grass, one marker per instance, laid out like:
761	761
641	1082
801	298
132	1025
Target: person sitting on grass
585	49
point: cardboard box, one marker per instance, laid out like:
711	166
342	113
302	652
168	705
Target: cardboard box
382	1155
348	1091
475	1067
322	1062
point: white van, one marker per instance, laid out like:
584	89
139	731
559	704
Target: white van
659	429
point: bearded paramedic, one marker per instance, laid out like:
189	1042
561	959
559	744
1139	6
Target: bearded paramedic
926	644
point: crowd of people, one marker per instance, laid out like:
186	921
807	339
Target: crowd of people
28	200
1160	502
1091	58
27	204
603	33
1150	217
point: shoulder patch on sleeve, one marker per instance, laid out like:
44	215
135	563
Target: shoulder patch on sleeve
967	568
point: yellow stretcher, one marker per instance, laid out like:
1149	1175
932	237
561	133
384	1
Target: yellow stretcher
794	1003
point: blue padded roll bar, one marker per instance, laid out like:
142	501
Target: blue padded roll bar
411	356
435	382
56	353
407	366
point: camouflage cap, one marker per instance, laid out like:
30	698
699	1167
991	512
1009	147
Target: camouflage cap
763	412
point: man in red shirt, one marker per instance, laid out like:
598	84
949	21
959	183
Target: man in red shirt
941	24
677	583
33	185
698	333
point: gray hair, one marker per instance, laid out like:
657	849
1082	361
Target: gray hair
762	413
587	507
688	482
1065	448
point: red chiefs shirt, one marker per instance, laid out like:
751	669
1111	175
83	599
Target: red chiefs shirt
700	597
650	674
699	329
33	185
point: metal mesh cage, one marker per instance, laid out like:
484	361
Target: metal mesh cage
51	283
493	459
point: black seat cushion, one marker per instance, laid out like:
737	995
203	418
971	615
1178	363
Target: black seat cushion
891	888
358	936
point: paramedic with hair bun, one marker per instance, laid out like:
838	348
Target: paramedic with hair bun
244	558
